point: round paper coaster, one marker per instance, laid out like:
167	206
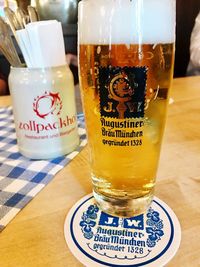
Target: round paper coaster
98	239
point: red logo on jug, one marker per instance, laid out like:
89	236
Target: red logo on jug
45	105
49	103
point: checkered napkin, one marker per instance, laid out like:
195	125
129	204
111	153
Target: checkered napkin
21	178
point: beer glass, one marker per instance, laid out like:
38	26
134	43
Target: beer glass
126	56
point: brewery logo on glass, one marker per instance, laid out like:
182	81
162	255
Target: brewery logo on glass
122	91
100	239
48	103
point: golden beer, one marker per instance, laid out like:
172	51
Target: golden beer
125	92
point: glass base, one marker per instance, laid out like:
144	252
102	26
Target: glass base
123	207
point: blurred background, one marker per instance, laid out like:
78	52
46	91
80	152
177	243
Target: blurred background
66	12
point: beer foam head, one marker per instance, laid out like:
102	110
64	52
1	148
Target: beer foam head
126	21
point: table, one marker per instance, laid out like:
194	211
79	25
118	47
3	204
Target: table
35	237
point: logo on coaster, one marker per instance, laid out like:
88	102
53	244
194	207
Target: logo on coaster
99	239
48	103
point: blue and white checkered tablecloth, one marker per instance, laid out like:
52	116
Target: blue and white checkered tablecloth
21	178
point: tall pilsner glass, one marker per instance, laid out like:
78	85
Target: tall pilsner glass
126	56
